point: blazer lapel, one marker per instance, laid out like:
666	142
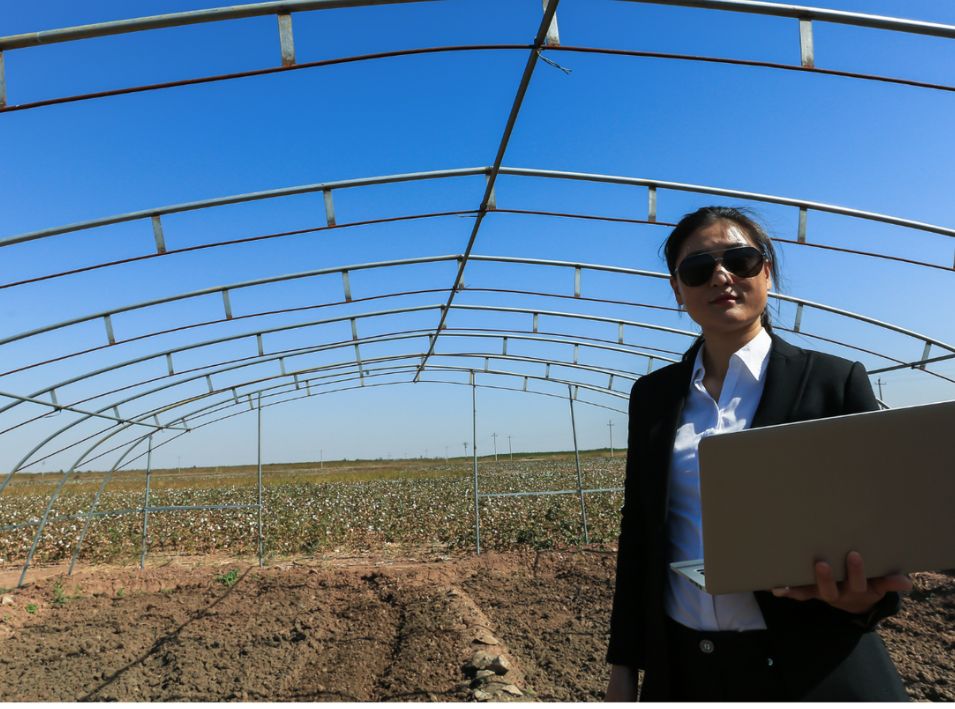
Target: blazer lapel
785	378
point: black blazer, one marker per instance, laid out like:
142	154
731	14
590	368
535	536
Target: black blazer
810	639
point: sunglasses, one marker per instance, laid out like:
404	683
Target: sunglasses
741	261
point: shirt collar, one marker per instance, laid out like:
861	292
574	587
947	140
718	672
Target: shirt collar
754	356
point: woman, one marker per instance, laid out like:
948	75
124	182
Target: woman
808	643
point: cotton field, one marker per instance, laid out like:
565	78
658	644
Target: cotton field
428	504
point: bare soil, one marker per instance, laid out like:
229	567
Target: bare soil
516	626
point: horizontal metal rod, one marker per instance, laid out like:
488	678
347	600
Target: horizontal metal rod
543	493
821	14
179	19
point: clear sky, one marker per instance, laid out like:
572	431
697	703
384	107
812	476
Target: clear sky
861	144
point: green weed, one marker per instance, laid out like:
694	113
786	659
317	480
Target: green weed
31	608
229	578
59	595
120	592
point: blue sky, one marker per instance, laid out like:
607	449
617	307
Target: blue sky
861	144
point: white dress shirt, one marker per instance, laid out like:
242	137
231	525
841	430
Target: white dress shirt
702	416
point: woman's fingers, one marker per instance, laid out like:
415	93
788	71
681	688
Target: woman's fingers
893	582
855	573
828	588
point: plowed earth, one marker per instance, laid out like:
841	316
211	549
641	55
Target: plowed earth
514	626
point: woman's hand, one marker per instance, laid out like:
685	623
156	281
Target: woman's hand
857	594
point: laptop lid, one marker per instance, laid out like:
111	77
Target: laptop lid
776	499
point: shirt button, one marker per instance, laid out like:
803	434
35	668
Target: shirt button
706	646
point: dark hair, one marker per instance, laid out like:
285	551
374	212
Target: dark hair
703	217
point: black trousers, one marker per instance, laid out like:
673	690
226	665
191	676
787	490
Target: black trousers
734	666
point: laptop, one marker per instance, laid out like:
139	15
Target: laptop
776	499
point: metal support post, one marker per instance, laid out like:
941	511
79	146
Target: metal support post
158	234
477	508
494	436
580	480
610	426
259	482
149	470
286	39
806	54
510	451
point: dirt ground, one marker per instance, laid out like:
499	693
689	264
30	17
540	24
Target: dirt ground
517	626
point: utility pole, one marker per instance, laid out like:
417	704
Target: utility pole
611	438
494	436
465	449
509	449
879	382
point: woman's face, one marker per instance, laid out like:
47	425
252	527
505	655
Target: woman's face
726	303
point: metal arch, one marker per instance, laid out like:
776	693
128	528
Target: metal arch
31	39
354	267
806	16
337	365
472	171
326	321
529	311
390	371
561	339
176	404
432	215
466	334
167	407
219	368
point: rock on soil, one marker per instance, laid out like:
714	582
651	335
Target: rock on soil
499	627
